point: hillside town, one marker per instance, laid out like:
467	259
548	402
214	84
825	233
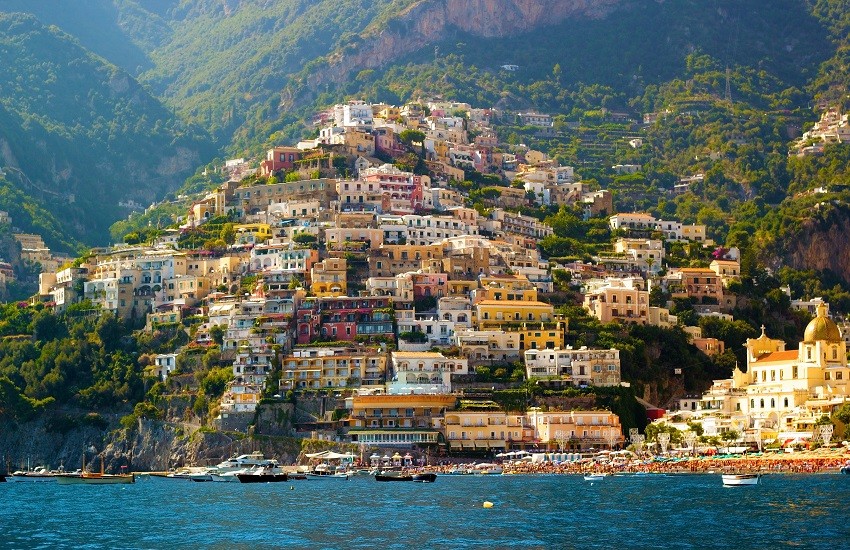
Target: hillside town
388	289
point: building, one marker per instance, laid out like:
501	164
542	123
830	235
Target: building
484	430
333	367
416	372
576	430
344	318
621	300
783	394
581	367
329	278
399	420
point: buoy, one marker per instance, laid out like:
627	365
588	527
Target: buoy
488	504
291	488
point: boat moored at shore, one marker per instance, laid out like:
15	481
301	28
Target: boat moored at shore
736	480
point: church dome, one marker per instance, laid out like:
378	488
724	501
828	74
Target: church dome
822	328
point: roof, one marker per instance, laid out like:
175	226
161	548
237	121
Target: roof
521	303
778	356
695	270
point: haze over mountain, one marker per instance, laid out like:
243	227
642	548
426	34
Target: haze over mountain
117	100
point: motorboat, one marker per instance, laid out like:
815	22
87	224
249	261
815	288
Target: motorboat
40	475
845	469
486	468
262	475
393	476
323	471
253	460
735	480
425	478
594	477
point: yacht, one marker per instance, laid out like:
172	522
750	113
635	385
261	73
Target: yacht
253	460
40	474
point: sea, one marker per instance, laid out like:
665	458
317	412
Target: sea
545	511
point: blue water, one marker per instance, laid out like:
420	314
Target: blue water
528	512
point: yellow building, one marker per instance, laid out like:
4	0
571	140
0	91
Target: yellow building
506	287
460	288
399	420
576	430
253	233
329	277
477	430
783	393
491	313
337	367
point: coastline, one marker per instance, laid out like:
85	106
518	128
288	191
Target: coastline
802	463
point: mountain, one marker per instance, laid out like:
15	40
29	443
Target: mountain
79	135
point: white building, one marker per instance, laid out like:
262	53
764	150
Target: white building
423	372
582	367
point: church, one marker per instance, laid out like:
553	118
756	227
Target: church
783	393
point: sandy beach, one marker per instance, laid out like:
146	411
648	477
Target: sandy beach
806	462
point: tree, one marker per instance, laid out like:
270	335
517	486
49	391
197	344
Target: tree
304	238
228	233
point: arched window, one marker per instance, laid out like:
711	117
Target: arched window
752	403
772	403
761	403
785	403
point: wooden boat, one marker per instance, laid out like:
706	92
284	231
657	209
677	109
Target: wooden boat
94	478
735	480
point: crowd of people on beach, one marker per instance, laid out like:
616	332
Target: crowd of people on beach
654	465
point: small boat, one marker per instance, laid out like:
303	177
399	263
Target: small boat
845	469
297	477
735	480
594	477
322	471
425	478
262	475
89	478
83	477
393	477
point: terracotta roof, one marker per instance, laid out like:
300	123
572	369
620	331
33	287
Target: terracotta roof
778	356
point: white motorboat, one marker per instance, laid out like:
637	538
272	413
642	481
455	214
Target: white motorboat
486	468
735	480
40	475
323	471
253	460
594	477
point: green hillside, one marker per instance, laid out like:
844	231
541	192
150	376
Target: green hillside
83	134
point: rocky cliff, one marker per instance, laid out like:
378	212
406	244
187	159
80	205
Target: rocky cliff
429	21
61	438
822	243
